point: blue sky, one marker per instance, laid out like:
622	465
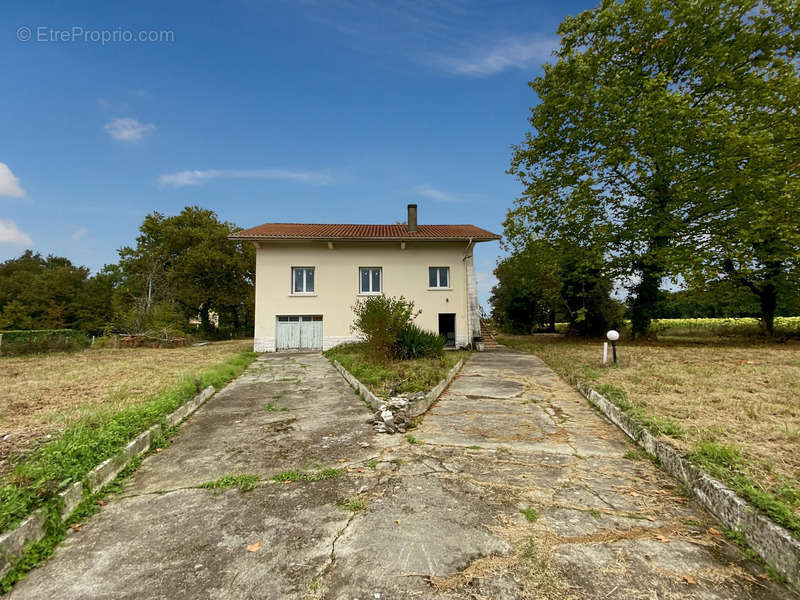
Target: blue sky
261	111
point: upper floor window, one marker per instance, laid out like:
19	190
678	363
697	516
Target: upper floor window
439	277
302	280
370	280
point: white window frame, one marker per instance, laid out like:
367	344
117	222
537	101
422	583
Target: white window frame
438	286
305	282
361	292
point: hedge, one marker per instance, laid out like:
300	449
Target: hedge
29	341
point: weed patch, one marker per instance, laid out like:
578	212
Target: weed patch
634	454
305	476
531	514
354	504
245	483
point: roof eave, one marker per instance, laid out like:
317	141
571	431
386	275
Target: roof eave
282	238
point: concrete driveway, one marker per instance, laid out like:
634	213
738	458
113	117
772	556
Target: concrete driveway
513	488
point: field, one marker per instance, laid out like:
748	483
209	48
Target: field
41	395
730	403
702	329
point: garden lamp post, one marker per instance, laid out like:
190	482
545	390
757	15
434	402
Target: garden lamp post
613	336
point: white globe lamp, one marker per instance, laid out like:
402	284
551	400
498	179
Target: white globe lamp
613	336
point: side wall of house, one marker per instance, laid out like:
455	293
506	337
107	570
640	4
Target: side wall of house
405	273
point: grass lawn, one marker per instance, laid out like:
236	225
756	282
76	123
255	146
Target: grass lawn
395	376
732	406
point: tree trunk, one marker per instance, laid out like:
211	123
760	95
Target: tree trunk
766	291
644	302
235	317
651	264
204	318
768	297
552	327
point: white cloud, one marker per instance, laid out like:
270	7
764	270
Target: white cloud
79	233
511	53
9	183
195	177
127	129
11	234
430	192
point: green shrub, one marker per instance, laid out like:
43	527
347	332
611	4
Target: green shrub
379	320
413	342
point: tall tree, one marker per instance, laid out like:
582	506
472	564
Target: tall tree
40	293
544	280
641	140
527	294
188	260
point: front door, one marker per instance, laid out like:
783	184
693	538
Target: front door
447	328
299	332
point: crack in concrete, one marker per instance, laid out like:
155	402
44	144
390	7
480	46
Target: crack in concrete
332	556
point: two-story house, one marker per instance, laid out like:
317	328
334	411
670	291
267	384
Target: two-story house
308	276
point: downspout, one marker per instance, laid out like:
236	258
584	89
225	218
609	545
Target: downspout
471	292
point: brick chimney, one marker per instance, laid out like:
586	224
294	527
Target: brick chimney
412	218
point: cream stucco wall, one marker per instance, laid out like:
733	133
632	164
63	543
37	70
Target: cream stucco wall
405	273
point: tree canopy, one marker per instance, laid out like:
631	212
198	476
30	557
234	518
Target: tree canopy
188	262
51	293
181	269
667	132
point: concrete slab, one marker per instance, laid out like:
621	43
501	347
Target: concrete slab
515	488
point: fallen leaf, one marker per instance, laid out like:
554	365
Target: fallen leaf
397	521
102	502
714	531
360	469
662	538
254	547
680	500
159	449
390	449
76	526
689	579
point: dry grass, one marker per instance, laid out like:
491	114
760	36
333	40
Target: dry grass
40	395
741	396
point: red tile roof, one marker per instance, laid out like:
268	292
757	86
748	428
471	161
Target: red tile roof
314	231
